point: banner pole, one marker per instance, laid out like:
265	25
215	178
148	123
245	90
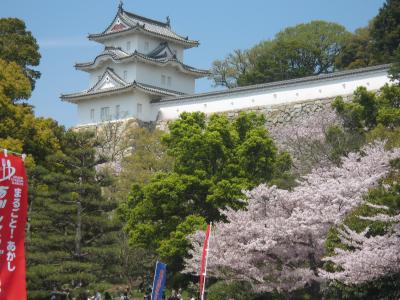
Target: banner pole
154	280
205	267
8	151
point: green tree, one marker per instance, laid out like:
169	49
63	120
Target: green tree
302	50
214	160
74	234
20	130
18	45
385	30
358	51
226	72
369	109
148	156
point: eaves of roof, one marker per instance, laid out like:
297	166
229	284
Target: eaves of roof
75	97
115	57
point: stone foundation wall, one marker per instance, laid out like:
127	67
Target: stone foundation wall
274	114
279	114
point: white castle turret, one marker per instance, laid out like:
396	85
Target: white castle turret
142	62
141	75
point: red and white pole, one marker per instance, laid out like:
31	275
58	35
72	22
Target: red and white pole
204	261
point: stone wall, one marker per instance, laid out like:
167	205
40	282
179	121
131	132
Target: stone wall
275	114
279	114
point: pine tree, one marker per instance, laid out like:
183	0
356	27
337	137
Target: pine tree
72	245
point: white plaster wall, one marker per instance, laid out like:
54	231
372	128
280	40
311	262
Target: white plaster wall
151	74
153	43
119	69
128	107
138	41
273	95
122	42
178	50
94	75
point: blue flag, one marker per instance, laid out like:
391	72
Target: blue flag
159	281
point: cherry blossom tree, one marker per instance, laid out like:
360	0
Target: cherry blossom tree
304	138
370	258
277	243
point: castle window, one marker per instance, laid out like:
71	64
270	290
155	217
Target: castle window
139	108
163	77
128	45
117	111
105	113
92	115
125	75
169	81
146	46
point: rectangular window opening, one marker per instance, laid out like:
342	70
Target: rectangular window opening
92	115
139	108
163	78
105	113
117	112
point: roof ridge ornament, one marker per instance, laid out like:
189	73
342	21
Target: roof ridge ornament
168	22
121	6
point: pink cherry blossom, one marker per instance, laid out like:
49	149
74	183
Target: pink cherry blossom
277	243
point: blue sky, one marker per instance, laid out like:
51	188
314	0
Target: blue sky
61	28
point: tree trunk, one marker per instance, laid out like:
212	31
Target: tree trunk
315	292
314	286
78	233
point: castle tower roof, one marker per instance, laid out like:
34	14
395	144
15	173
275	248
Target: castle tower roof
161	56
126	22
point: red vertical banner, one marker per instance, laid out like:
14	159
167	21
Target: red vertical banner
203	267
13	214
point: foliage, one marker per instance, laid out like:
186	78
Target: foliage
225	290
369	261
394	71
316	140
278	242
302	50
226	72
73	234
214	160
392	136
19	46
20	130
358	52
369	109
147	156
13	82
136	263
385	29
376	43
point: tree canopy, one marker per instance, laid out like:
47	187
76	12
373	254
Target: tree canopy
277	243
72	232
19	46
385	29
214	160
298	51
